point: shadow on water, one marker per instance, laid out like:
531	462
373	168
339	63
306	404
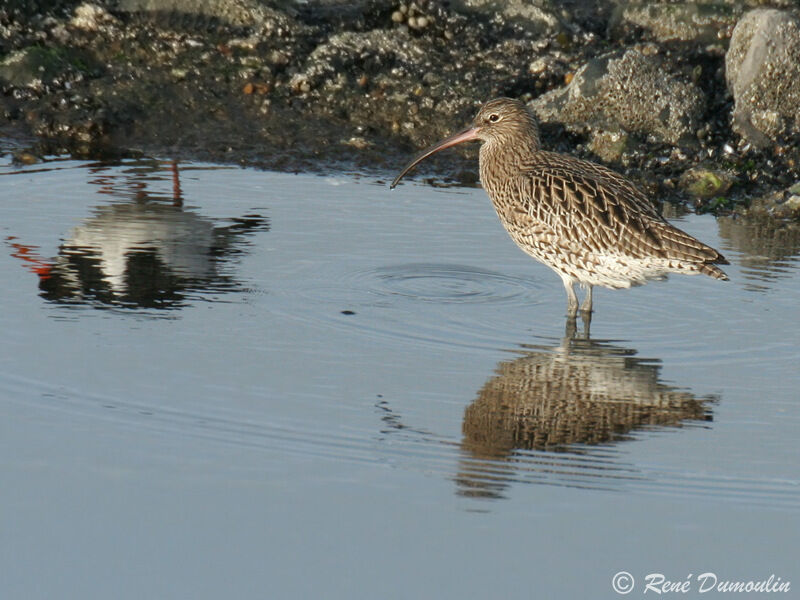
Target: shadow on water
142	250
553	415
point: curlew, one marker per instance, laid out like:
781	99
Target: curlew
588	223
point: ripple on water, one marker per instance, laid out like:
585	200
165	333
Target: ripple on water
474	473
431	303
445	283
213	423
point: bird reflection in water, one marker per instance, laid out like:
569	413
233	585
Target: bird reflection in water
553	415
146	251
548	415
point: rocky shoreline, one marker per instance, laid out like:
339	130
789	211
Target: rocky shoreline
698	102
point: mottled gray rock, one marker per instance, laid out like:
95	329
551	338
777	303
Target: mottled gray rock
245	13
685	21
355	54
91	17
610	146
399	81
524	13
762	68
629	90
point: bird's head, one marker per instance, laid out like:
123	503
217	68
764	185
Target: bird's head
505	120
502	120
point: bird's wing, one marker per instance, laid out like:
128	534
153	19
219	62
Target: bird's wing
599	210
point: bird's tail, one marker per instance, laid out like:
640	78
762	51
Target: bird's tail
699	257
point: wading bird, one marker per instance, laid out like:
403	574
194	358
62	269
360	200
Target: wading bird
589	224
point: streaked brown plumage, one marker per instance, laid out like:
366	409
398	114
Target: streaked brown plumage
586	222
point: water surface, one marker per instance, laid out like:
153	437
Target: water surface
219	382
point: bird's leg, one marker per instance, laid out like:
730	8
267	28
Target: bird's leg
572	299
586	307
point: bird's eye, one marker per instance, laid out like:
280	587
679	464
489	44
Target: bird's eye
494	118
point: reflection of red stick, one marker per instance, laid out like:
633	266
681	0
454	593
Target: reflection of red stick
27	254
177	196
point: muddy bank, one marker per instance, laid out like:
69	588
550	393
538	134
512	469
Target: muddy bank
679	96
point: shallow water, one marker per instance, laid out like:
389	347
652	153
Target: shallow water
220	382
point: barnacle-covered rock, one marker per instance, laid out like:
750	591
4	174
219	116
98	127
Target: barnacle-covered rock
762	68
705	22
633	91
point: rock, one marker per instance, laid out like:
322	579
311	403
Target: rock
26	157
701	182
37	65
357	142
609	145
684	21
91	17
628	90
355	54
762	69
530	17
792	205
242	13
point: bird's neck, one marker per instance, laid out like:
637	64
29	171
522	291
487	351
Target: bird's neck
501	160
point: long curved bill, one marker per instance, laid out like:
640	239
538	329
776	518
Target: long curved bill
468	135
